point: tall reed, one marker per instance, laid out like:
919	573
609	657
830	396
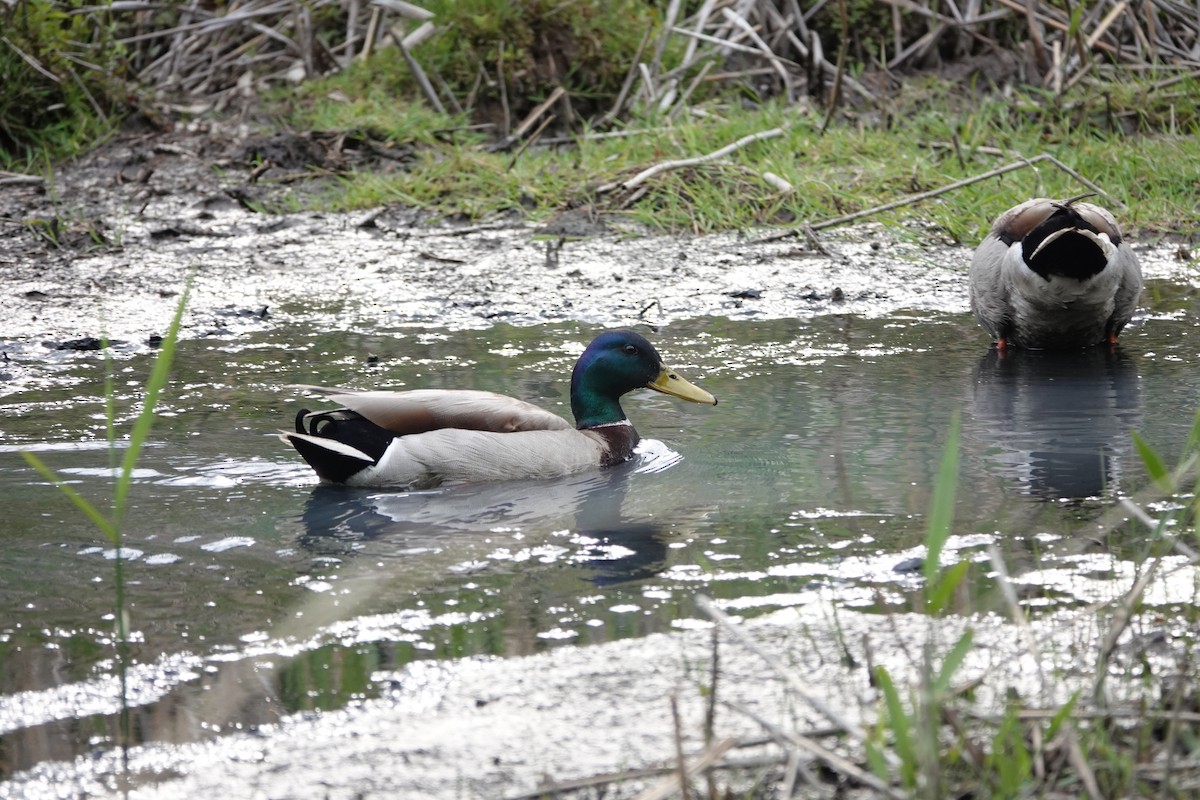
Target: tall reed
110	523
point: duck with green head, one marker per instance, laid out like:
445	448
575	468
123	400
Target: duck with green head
427	437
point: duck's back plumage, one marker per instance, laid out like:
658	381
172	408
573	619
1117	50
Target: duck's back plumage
1054	274
425	437
460	456
419	410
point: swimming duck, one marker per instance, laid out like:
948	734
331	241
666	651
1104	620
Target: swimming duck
427	437
1054	274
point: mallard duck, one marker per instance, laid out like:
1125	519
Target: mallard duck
427	437
1054	274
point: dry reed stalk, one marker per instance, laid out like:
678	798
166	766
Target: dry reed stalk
215	57
922	196
832	759
706	760
853	729
646	174
421	78
1074	752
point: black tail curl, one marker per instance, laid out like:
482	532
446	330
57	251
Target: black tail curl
1071	256
340	425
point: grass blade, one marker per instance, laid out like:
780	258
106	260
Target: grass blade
1061	716
937	596
1193	440
900	724
941	512
1155	466
90	511
145	419
953	660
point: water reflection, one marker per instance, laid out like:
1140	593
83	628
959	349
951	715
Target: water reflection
1059	423
611	544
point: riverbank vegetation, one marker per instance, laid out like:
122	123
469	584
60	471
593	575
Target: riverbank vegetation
697	116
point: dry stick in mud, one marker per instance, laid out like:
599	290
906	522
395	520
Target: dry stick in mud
917	198
793	764
708	759
671	785
1019	619
650	172
829	712
832	759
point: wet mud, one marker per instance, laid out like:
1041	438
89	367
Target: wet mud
107	249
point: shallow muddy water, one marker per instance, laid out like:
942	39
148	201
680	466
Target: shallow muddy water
254	593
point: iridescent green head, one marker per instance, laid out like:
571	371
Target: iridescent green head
615	363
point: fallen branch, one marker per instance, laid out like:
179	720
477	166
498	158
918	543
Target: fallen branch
671	784
15	179
558	788
835	761
917	198
527	123
646	174
829	712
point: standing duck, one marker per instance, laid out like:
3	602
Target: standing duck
1054	274
427	437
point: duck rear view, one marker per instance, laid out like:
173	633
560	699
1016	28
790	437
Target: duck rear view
427	437
1054	275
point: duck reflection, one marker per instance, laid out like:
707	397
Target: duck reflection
1061	422
612	544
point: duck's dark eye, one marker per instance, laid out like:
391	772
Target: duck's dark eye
630	349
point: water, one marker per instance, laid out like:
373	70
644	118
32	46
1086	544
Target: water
254	594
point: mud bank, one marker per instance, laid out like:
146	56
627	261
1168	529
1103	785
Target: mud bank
485	728
106	248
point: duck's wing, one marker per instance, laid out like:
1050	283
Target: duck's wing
421	410
1129	290
1020	220
987	288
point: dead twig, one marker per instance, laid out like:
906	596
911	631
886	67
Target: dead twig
421	78
829	712
530	118
832	759
705	760
533	137
630	77
835	94
15	179
1018	618
922	196
646	174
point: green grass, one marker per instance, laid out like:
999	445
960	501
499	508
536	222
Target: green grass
848	169
1134	135
55	103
